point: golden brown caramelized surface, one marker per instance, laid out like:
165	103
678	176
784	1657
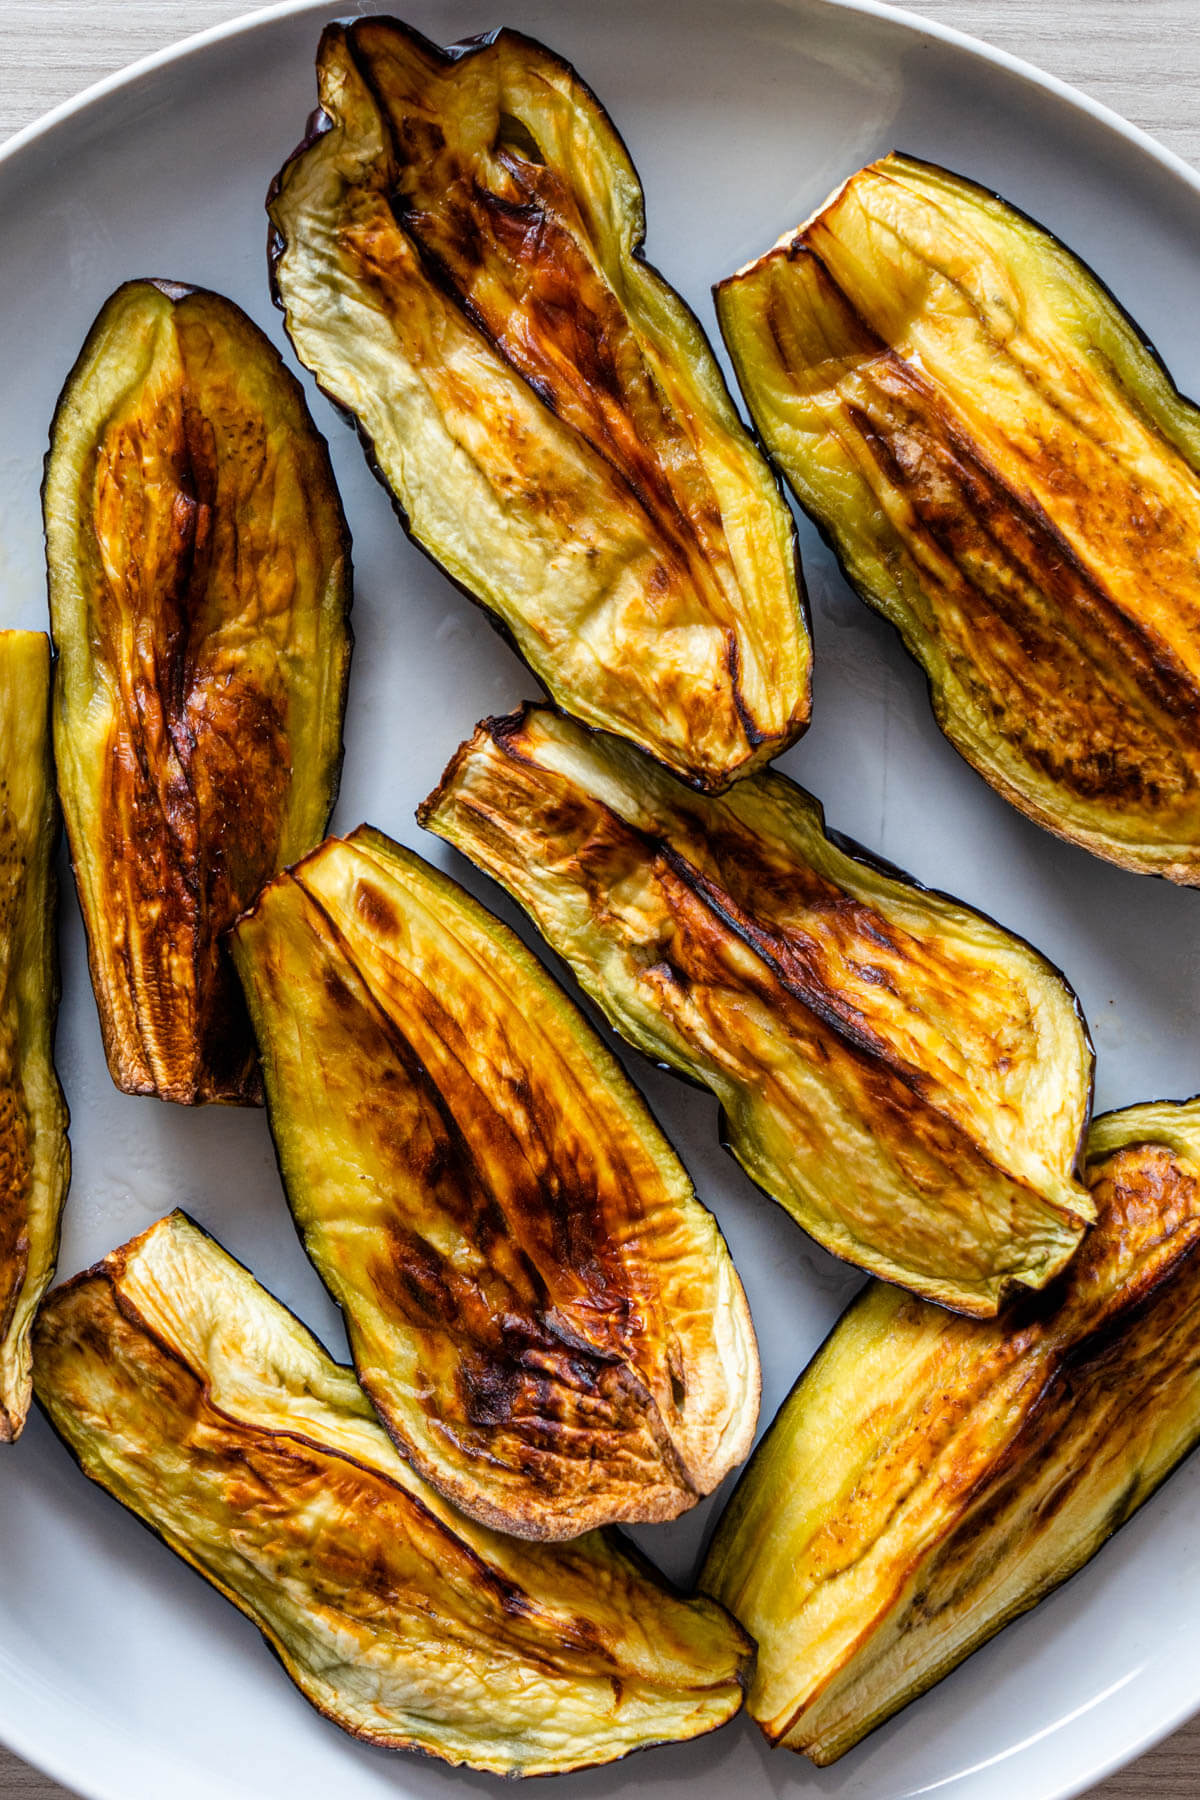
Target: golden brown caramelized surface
1009	476
547	1319
908	1079
930	1478
459	263
202	1404
199	578
35	1159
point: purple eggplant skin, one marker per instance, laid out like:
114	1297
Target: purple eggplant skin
698	643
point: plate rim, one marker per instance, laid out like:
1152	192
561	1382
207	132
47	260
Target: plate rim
32	1750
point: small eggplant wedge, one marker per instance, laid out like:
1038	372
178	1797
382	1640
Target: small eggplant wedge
909	1080
35	1159
199	570
457	251
547	1320
206	1408
1009	476
931	1478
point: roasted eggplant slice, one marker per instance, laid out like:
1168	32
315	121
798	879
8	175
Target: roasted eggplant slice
1009	476
35	1161
930	1478
199	584
201	1404
457	250
908	1079
548	1321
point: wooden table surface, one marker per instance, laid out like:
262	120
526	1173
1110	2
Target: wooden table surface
1141	57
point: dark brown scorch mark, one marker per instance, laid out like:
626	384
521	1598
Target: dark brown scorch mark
198	762
1090	694
492	1241
503	235
696	958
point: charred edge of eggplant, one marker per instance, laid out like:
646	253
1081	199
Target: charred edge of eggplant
493	1518
176	291
53	992
11	1426
319	123
505	728
1147	343
98	1271
617	1541
1103	850
1093	1344
1009	794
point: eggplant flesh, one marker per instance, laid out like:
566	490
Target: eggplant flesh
457	251
1009	476
908	1079
547	1320
931	1478
199	1402
35	1159
199	570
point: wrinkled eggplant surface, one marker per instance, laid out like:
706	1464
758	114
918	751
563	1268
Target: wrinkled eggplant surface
457	251
908	1079
546	1318
35	1160
1010	477
199	570
930	1478
205	1407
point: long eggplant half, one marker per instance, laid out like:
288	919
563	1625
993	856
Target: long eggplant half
930	1478
548	1321
1008	475
205	1407
908	1079
35	1160
457	251
199	572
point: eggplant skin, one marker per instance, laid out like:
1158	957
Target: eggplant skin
931	1478
1008	474
909	1080
35	1157
199	574
457	250
548	1322
201	1404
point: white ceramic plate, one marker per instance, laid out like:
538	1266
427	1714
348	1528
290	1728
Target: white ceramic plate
122	1673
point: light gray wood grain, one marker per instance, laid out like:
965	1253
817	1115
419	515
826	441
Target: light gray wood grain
1141	57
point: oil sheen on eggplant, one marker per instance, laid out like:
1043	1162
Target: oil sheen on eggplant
457	252
199	569
1008	475
547	1320
908	1079
930	1478
35	1160
207	1409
